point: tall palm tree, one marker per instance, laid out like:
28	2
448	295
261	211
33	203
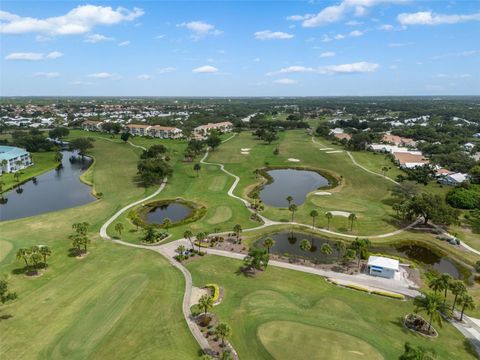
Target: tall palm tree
360	246
23	254
340	247
446	279
45	251
237	229
329	217
200	237
205	303
289	199
467	303
35	256
313	214
119	228
197	168
326	249
436	284
166	223
188	235
4	164
223	331
457	288
431	304
293	208
268	243
352	217
305	245
81	227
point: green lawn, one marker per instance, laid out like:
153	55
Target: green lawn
118	302
284	314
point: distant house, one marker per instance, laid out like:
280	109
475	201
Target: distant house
343	136
204	130
392	149
13	159
90	125
164	132
138	129
477	135
468	146
398	140
409	160
383	266
453	179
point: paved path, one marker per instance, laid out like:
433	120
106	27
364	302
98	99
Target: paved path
470	328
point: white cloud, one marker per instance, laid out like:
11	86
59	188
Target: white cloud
144	77
54	55
31	56
355	33
353	23
272	35
206	69
161	36
200	29
429	18
358	67
124	43
327	54
79	20
296	69
339	37
399	44
286	81
95	38
299	17
104	75
50	75
385	27
256	60
79	82
165	70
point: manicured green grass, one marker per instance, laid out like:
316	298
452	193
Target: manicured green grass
42	162
306	305
118	302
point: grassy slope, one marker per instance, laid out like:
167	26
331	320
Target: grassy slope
280	295
117	302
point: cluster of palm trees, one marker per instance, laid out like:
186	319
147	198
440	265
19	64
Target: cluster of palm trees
34	257
314	214
80	240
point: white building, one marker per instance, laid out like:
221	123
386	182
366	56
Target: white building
453	179
204	130
13	159
164	132
383	266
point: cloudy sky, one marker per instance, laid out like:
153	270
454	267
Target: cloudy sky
240	48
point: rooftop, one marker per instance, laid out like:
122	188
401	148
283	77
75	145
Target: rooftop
383	262
11	152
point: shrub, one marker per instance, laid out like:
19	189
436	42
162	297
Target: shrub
216	291
464	197
389	294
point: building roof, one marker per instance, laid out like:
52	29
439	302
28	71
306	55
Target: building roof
92	122
138	126
458	177
397	139
403	158
342	136
383	262
164	128
11	152
214	125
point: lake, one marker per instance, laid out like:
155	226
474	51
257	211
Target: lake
173	211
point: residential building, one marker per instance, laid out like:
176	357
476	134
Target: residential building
409	160
13	159
383	266
138	129
398	140
453	179
164	132
222	127
343	136
90	125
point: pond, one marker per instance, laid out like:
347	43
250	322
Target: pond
286	244
54	190
427	257
174	211
290	182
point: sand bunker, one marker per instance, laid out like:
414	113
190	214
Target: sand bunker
293	160
322	193
246	149
323	149
244	153
340	213
334	152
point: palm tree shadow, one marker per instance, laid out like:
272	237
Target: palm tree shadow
5	317
74	252
399	323
245	271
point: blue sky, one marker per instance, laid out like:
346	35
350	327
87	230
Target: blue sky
240	48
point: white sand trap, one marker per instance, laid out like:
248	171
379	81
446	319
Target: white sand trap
356	352
197	294
323	193
333	152
340	213
293	160
246	149
244	153
323	149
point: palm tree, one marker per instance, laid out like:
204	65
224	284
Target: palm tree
352	217
58	157
119	228
339	247
4	164
205	303
436	284
200	237
467	303
417	353
81	227
44	250
313	214
326	249
268	243
457	288
360	246
254	196
188	235
166	223
197	168
17	176
35	256
256	259
305	245
237	229
293	208
85	242
329	217
446	279
23	254
223	331
431	304
289	199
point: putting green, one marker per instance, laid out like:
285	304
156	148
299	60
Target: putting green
221	214
286	339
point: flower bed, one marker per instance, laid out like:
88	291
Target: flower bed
418	324
215	291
